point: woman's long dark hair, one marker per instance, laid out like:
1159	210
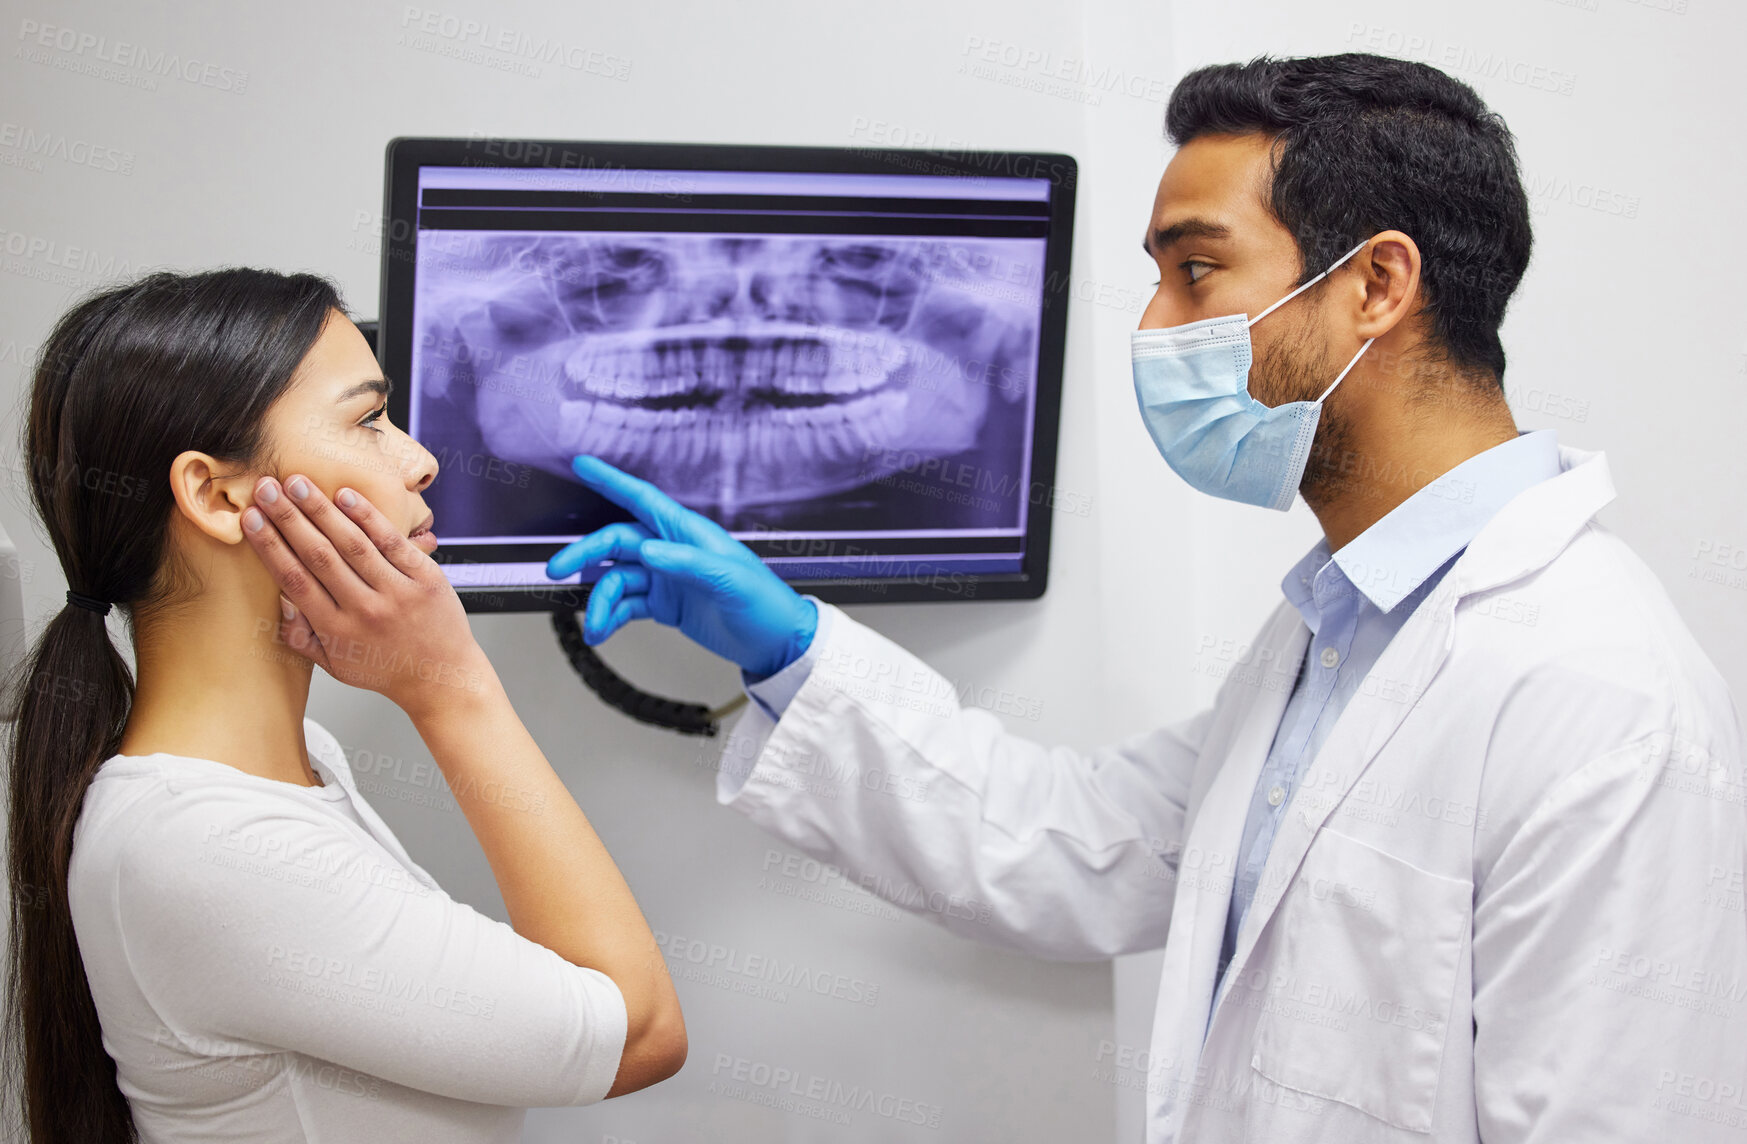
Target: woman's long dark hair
129	378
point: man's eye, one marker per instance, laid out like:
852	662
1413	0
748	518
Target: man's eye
1196	270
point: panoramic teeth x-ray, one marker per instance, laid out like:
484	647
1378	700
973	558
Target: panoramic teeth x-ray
736	371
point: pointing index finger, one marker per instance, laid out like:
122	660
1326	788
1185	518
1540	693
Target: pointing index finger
663	515
654	508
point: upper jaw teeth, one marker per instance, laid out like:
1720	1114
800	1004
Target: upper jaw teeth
700	363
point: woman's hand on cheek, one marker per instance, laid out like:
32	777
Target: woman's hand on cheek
368	604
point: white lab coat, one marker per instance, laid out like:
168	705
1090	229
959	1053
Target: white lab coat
1504	904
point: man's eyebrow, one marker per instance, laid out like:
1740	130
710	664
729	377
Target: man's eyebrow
380	386
1163	238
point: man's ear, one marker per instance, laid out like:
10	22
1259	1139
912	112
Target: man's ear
210	496
1388	274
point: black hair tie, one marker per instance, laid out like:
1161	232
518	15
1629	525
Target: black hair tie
101	607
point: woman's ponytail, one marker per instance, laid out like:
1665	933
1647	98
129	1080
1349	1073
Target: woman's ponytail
73	695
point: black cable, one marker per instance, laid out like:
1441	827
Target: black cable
616	692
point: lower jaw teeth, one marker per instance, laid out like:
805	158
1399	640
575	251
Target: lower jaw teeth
734	457
730	456
710	361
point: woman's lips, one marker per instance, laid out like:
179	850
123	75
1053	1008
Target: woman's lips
424	538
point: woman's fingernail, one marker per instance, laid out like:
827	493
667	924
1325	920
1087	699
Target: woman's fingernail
286	610
347	498
267	491
253	520
298	487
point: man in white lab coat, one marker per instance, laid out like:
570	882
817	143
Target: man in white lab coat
1457	853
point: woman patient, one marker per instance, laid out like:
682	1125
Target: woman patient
213	935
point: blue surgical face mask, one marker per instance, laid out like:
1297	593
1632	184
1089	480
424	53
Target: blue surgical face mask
1192	383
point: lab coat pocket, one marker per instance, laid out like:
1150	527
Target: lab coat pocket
1358	1001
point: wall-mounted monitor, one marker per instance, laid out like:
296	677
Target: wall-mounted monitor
850	359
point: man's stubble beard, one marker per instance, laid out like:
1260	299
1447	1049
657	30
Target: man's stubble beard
1299	370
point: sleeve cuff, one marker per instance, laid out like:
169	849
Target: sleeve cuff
611	1024
774	693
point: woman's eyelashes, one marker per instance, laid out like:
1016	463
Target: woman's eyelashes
370	419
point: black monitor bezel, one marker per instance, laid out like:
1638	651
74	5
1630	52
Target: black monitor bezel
405	155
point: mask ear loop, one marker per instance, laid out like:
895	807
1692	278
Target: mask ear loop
1306	286
1331	269
1346	371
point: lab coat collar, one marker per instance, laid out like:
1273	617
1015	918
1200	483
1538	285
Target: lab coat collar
1393	557
1535	527
1389	561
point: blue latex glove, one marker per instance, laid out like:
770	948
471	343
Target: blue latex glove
680	568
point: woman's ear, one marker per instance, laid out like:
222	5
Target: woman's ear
210	499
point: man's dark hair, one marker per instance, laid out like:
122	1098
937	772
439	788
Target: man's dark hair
1367	143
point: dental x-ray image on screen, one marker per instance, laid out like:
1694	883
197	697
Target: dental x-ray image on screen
856	372
770	381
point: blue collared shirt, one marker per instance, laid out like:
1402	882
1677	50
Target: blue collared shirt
1354	601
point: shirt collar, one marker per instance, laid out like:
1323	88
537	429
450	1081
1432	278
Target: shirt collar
1393	557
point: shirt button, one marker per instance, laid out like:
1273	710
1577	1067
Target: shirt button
1330	657
1275	796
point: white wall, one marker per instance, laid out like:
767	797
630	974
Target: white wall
1626	337
12	574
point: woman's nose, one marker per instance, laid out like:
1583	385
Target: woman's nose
422	467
